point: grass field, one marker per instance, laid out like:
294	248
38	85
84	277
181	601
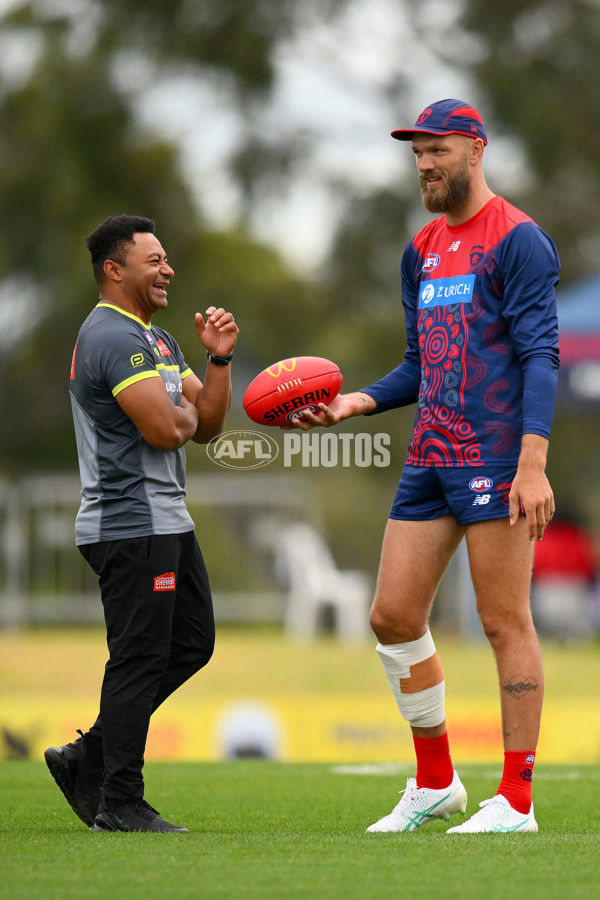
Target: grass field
273	830
253	659
270	830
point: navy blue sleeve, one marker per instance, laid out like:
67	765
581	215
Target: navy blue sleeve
400	387
540	378
530	268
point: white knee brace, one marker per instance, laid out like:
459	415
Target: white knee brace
415	674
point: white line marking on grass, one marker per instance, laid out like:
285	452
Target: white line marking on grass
372	769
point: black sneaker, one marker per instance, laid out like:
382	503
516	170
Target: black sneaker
137	816
79	775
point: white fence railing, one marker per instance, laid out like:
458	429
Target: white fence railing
44	579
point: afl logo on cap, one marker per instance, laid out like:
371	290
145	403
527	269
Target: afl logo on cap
481	483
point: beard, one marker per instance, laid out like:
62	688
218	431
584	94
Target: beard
456	193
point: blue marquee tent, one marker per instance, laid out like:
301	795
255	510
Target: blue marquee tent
579	336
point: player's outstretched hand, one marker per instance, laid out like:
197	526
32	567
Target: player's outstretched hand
343	407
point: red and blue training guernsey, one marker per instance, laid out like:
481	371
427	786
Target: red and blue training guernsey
482	338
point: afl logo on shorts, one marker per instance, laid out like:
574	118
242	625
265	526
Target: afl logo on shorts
481	483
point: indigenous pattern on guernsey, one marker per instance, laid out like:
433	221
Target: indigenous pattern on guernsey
443	330
129	488
479	300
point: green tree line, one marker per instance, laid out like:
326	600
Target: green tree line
72	151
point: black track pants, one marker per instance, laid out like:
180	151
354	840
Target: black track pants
160	631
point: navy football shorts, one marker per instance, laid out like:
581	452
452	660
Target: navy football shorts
470	495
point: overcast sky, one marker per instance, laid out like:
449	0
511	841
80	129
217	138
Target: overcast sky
330	82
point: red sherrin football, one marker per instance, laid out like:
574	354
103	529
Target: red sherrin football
287	388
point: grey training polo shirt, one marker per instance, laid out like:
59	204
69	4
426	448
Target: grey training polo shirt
129	488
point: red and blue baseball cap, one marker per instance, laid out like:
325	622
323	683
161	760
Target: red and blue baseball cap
446	117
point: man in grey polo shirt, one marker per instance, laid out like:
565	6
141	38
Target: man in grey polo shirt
135	404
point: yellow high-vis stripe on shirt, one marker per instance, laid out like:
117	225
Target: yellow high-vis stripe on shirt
124	313
174	368
133	380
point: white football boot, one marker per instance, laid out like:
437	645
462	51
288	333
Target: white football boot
422	805
496	815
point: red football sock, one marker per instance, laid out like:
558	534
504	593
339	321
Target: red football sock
434	763
516	779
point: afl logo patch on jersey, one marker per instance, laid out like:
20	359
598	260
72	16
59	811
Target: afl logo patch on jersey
432	262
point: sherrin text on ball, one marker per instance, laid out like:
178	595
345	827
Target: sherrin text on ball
288	388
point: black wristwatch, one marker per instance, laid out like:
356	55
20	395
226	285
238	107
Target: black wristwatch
219	360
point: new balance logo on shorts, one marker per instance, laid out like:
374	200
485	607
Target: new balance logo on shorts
479	484
165	582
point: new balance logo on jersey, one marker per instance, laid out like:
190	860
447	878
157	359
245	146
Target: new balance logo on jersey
453	247
482	499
